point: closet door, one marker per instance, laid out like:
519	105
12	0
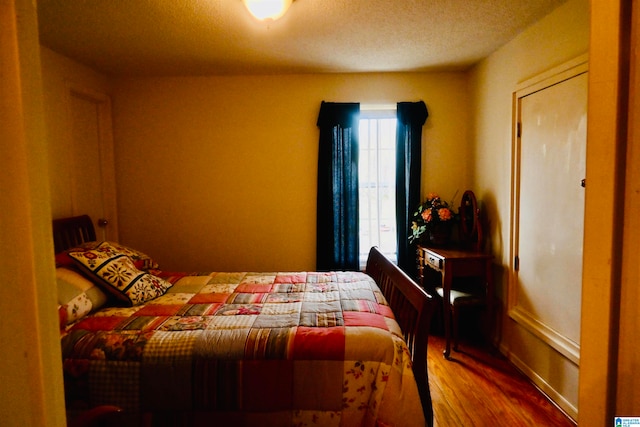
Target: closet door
93	176
549	164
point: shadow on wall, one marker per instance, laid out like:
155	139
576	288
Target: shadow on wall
494	243
491	225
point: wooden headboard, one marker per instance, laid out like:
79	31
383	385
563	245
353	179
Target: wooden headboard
72	231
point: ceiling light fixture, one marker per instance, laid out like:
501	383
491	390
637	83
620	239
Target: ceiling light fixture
267	9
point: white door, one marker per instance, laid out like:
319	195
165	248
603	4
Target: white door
545	293
93	177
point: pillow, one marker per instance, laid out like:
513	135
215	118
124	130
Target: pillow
141	260
64	260
77	296
119	275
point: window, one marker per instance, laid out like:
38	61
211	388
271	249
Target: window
377	181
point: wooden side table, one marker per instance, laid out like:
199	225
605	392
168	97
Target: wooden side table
453	263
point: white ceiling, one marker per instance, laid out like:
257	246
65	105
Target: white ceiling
199	37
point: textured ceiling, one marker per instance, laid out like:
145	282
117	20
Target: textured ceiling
198	37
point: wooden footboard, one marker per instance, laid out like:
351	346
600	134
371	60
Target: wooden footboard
413	309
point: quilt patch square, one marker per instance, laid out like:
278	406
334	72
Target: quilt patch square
284	297
194	282
385	310
98	323
360	305
267	385
199	309
239	310
366	343
357	294
276	320
321	306
380	298
167	384
185	323
258	279
232	322
203	298
354	318
141	323
319	343
323	392
254	288
322	320
291	278
168	347
322	287
219	288
227	278
175	298
281	307
322	296
105	345
120	384
217	385
321	277
217	344
269	343
247	298
293	288
158	310
364	385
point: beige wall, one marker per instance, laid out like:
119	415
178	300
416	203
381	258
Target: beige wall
561	36
220	172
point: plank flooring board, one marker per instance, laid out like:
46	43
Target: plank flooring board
478	387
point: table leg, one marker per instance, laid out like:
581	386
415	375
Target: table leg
446	306
489	299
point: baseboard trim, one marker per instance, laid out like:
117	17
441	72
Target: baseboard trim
545	388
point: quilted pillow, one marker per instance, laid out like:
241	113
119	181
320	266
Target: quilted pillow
119	275
141	260
77	296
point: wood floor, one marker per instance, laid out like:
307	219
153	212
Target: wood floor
478	387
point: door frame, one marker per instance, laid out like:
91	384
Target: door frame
559	342
107	159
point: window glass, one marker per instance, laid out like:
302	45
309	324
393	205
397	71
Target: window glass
377	177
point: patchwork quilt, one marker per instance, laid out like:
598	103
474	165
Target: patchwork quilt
282	349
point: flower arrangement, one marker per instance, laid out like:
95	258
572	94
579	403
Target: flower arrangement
432	213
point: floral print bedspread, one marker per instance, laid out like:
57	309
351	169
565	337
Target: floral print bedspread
296	349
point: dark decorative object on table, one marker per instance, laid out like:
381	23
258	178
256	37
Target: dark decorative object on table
433	221
440	233
471	233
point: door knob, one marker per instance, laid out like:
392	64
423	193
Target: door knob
102	222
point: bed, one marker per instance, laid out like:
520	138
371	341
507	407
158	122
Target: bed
238	348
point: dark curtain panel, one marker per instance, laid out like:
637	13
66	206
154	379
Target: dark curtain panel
411	117
337	228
